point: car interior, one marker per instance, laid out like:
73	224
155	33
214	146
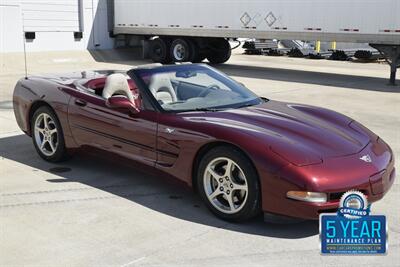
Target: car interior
173	90
114	84
187	90
164	89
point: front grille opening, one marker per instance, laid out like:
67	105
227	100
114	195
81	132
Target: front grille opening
338	195
328	211
335	196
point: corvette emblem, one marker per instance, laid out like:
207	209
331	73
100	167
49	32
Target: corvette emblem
169	130
366	158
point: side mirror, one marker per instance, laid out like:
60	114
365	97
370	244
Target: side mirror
122	102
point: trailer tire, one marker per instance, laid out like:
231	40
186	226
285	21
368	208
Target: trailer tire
181	50
197	55
220	51
200	58
159	50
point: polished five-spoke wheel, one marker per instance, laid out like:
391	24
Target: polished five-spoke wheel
47	135
225	185
228	183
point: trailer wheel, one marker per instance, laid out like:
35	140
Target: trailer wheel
220	51
198	55
181	50
159	50
199	58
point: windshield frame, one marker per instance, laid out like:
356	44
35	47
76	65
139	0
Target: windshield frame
136	75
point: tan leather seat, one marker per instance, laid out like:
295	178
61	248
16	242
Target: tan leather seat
117	84
162	89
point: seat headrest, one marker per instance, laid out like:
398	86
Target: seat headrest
161	82
117	83
158	82
165	97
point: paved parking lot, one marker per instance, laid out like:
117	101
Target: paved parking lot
93	211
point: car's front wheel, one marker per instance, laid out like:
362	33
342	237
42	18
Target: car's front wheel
47	135
228	183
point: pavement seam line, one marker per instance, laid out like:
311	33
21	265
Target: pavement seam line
65	190
78	200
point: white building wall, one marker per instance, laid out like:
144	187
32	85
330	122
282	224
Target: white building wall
50	16
10	28
54	23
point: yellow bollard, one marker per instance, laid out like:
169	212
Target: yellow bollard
318	46
333	45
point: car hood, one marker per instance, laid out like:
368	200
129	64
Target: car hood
301	134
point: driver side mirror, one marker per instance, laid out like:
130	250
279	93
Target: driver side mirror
122	102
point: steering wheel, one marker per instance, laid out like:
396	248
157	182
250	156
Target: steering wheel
207	89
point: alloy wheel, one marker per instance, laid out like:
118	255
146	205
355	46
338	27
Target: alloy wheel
46	134
225	185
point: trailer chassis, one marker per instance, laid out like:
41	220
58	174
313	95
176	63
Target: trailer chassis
391	53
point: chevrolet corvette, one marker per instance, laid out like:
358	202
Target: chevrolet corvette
242	153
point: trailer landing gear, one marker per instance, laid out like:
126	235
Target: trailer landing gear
392	56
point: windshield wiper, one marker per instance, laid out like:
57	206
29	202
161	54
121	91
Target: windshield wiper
208	109
252	103
246	105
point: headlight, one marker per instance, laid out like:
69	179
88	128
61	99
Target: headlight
295	154
358	127
308	196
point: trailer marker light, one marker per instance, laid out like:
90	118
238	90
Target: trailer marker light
313	29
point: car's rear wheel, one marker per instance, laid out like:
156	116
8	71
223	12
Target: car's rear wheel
47	135
228	184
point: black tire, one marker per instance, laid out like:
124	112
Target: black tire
219	51
182	50
60	153
196	56
251	206
199	58
159	50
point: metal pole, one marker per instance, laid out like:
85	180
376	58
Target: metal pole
24	41
26	68
81	16
318	46
333	45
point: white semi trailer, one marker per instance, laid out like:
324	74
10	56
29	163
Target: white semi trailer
192	30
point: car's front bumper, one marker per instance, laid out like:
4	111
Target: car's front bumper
334	177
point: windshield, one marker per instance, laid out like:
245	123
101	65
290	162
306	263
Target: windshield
195	87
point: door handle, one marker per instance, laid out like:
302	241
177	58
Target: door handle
80	102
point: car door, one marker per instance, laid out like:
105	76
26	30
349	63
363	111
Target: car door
93	123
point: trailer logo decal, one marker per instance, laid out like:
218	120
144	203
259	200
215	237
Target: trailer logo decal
270	19
245	19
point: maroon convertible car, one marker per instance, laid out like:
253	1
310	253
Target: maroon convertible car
244	154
